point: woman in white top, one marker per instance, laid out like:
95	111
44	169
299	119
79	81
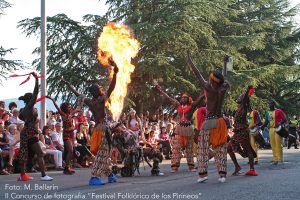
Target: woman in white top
50	148
14	142
134	124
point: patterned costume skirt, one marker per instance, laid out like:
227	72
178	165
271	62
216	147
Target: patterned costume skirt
183	140
184	130
28	136
217	129
101	163
213	133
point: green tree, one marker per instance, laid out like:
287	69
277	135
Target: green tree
6	66
166	30
264	41
259	34
71	50
3	5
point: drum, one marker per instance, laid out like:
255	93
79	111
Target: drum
282	131
255	131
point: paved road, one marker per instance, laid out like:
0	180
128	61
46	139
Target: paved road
281	182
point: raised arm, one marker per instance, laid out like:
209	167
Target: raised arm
174	102
198	101
57	107
71	87
244	98
226	60
196	71
114	79
35	91
76	111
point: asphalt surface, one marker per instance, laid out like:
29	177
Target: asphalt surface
274	182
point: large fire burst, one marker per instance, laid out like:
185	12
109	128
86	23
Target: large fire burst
117	42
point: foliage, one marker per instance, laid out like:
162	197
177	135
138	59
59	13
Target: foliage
259	34
6	66
71	49
3	5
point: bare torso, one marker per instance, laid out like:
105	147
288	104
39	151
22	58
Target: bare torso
240	117
97	107
215	99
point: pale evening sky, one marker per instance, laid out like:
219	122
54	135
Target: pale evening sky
11	37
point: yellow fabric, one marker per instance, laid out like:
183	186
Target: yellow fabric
276	142
195	149
272	119
218	135
254	146
96	140
195	120
252	139
251	120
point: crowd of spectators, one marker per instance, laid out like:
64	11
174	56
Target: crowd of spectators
156	129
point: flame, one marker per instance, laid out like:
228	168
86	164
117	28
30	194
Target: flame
117	42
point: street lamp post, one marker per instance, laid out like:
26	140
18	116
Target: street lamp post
43	62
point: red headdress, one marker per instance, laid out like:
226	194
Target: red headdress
190	100
251	91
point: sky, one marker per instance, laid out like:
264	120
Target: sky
11	37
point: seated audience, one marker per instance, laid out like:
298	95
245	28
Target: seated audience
50	148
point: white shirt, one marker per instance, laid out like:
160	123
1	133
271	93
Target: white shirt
55	136
13	138
134	125
156	134
15	120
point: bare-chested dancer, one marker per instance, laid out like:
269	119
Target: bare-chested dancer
214	129
96	105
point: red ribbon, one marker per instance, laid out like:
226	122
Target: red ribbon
27	79
40	99
16	75
251	91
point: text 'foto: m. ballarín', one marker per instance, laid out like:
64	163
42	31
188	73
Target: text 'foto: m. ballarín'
36	187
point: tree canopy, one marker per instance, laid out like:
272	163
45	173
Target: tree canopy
6	65
260	35
3	5
72	50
